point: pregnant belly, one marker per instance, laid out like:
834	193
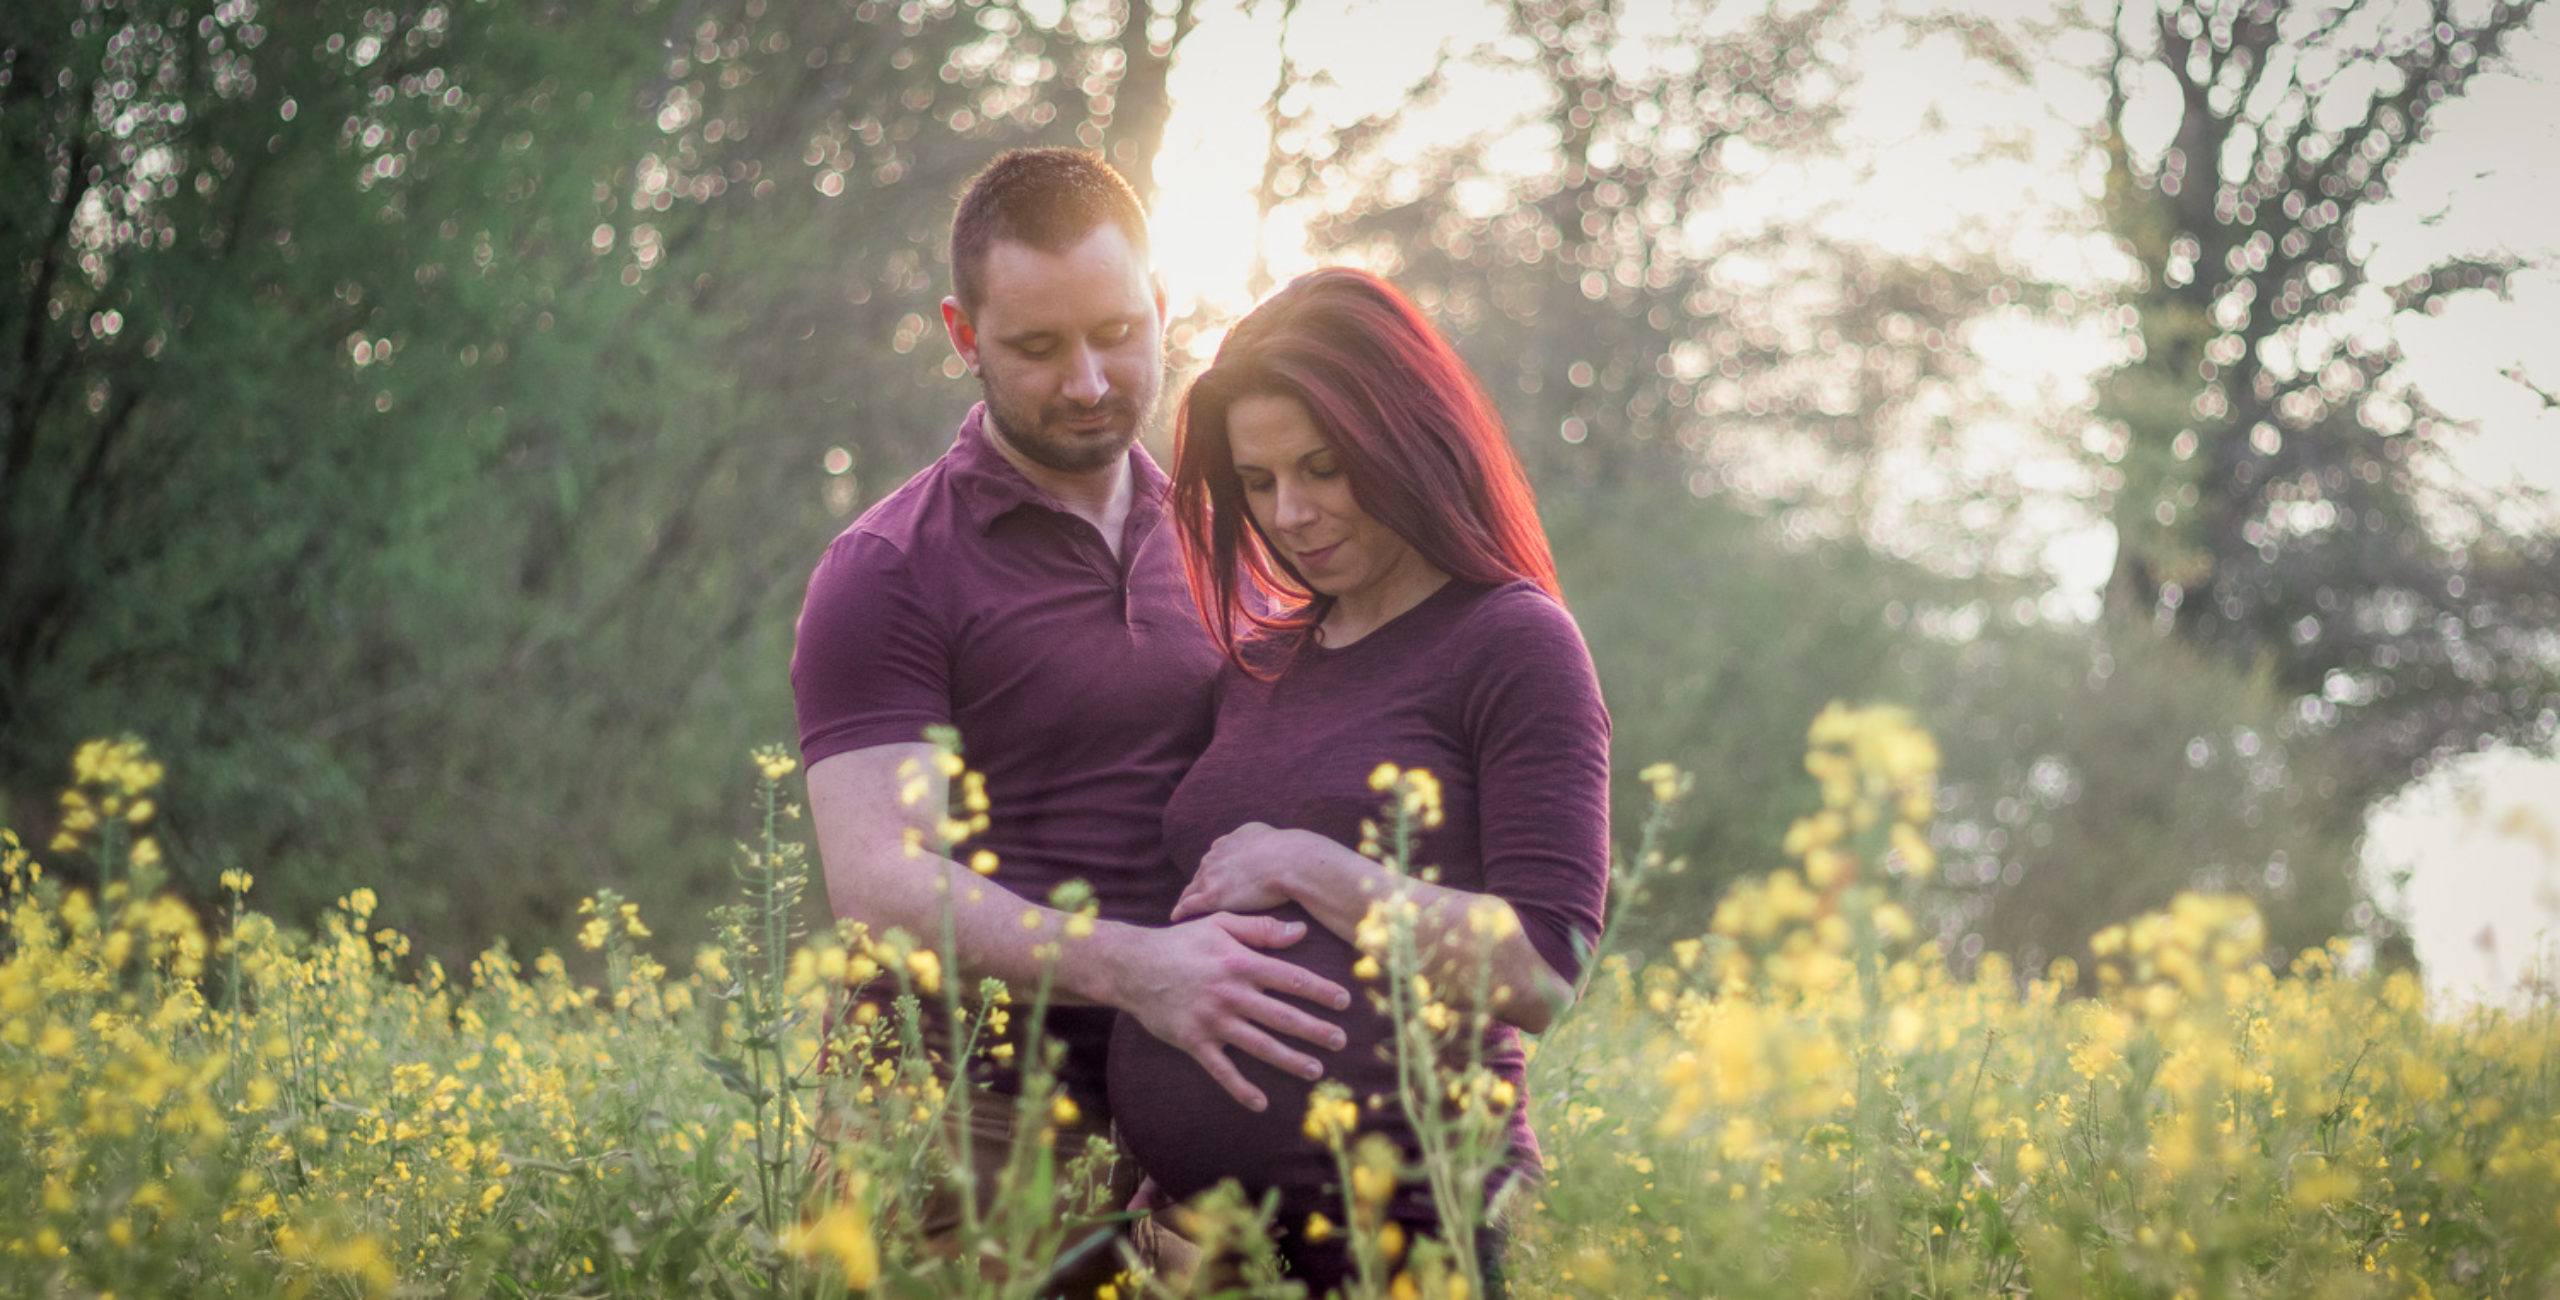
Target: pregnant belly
1187	1133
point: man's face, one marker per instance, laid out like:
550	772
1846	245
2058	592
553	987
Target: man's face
1069	348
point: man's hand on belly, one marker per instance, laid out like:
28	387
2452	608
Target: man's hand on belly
1203	987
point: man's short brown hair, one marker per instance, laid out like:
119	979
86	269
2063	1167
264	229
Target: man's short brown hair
1049	199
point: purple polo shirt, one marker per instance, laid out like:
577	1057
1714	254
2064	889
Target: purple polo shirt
1082	685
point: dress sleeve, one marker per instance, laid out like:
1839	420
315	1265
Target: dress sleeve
1541	739
871	664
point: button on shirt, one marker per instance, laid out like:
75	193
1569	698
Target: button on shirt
1082	685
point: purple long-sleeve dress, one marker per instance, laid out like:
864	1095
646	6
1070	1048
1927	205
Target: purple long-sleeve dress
1491	691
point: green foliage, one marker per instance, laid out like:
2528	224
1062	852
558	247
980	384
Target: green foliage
1714	643
2094	774
419	416
2091	772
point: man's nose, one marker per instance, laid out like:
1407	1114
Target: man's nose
1087	383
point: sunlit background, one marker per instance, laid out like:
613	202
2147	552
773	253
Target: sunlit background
1952	151
420	429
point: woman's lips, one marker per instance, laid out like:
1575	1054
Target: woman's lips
1310	559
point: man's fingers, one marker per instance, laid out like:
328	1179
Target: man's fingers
1213	1058
1249	1037
1184	909
1299	982
1296	1023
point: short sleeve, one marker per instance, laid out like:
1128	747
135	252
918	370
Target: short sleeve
871	664
1541	735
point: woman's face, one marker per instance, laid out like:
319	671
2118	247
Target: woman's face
1300	495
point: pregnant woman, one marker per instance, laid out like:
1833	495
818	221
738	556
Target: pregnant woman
1361	539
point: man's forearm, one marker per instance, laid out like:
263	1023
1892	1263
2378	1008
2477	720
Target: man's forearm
994	931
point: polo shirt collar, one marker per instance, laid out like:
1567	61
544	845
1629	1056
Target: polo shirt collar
990	487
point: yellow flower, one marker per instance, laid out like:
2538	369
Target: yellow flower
839	1236
1667	782
775	763
1917	857
1063	1111
1894	923
1331	1113
926	966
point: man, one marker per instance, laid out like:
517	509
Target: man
1025	589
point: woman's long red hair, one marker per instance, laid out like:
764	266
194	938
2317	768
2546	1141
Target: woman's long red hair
1424	448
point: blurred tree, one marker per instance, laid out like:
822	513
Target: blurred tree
2272	511
1632	319
275	280
2281	503
418	418
2094	773
1679	375
2090	773
1716	646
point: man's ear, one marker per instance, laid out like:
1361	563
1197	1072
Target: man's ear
1164	315
964	336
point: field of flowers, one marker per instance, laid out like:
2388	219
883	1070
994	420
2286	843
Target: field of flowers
1801	1101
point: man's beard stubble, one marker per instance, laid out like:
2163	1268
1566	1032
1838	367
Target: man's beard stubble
1029	431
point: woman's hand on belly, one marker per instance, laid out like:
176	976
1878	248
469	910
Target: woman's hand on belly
1255	867
1252	868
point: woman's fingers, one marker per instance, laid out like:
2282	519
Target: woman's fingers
1195	901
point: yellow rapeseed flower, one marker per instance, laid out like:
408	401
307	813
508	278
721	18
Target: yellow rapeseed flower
925	965
1331	1113
839	1236
1667	782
